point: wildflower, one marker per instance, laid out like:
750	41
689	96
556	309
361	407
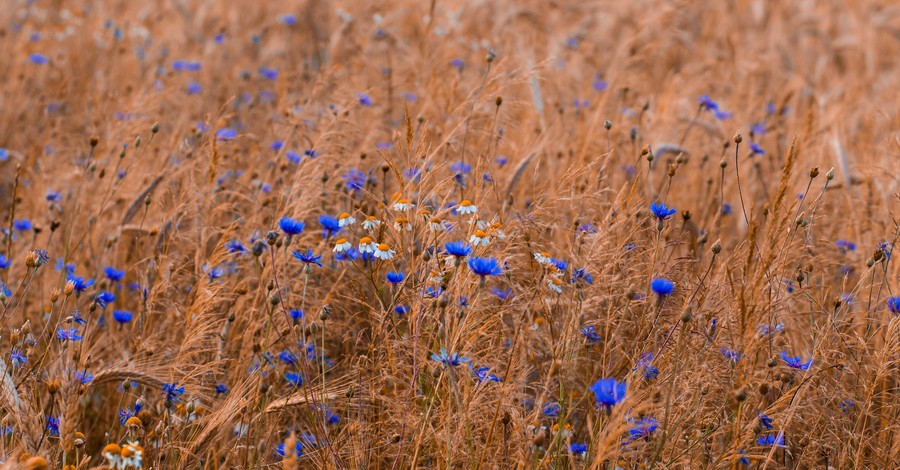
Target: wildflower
401	309
458	249
287	357
310	153
485	267
662	287
643	428
771	440
330	225
293	157
38	59
885	248
83	377
578	449
113	274
893	304
755	149
122	316
846	404
608	392
543	258
727	209
479	238
581	274
402	205
587	228
466	207
764	420
53	425
132	455
364	99
22	225
555	284
341	245
354	180
290	226
551	409
235	246
436	224
4	262
213	272
296	314
268	73
308	258
502	294
4	154
113	453
590	334
645	364
370	223
384	252
298	449
795	362
70	334
173	391
660	211
16	357
395	277
345	220
366	245
733	356
226	134
402	223
287	19
449	360
743	460
277	145
483	375
53	196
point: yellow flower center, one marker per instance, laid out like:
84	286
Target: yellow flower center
384	247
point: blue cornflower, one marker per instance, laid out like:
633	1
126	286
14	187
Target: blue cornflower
483	375
16	357
310	153
560	265
846	404
765	328
268	73
122	316
53	196
578	449
502	294
461	168
83	376
61	264
194	88
235	246
296	313
53	425
289	20
276	145
643	428
354	179
309	258
755	149
38	59
349	254
726	209
459	249
485	267
293	156
77	318
70	334
449	360
590	334
758	128
80	283
173	391
294	379
22	225
330	225
743	460
364	99
214	272
551	409
401	309
764	420
662	286
226	133
287	357
886	248
608	392
893	304
581	274
4	154
5	293
795	362
113	274
290	226
4	262
124	414
771	440
221	389
298	449
660	211
104	298
395	277
587	228
733	356
707	103
645	364
457	63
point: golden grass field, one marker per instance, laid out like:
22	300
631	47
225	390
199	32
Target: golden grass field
449	234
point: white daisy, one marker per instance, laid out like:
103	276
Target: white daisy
402	224
370	223
366	245
384	251
479	237
345	220
466	207
402	205
341	245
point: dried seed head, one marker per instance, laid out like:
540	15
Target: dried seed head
607	124
738	137
830	175
723	163
499	100
154	128
54	295
814	172
94	141
69	289
716	247
772	362
741	394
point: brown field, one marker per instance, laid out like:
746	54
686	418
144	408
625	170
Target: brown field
151	149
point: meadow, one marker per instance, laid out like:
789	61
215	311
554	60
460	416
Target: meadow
449	234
